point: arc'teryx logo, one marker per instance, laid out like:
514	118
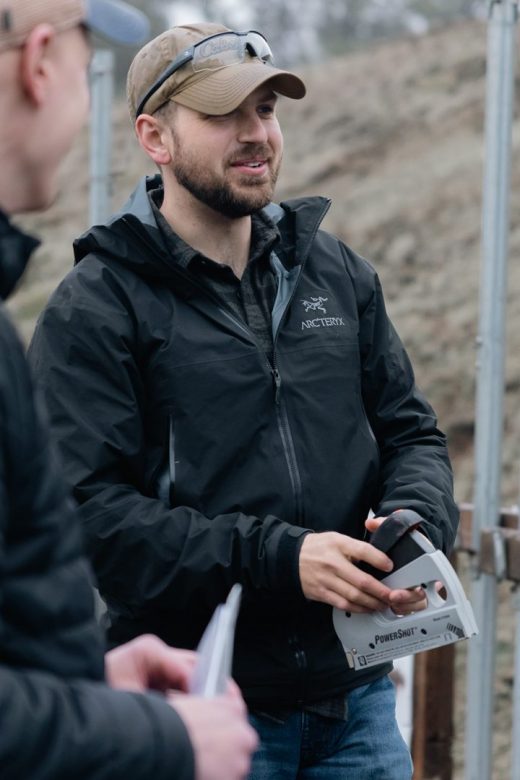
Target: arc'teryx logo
315	304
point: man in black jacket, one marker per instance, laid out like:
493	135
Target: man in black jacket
232	403
60	718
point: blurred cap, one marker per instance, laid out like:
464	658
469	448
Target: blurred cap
113	19
213	92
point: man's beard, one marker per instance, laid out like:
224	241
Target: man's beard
219	194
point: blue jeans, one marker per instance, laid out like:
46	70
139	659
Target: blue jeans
298	745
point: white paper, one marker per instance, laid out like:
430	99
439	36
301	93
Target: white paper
215	651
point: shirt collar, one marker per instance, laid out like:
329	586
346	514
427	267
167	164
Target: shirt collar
264	235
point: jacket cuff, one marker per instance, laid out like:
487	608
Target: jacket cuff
288	581
175	756
144	736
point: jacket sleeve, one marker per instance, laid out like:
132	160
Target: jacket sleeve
86	357
55	729
59	719
415	468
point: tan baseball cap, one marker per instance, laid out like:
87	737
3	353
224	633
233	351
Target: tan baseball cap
113	19
210	84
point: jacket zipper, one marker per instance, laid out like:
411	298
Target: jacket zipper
281	408
283	422
288	445
290	455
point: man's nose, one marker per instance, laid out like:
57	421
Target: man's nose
252	128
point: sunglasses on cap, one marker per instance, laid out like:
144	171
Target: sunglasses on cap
214	52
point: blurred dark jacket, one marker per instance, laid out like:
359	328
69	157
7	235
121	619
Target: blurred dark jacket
59	718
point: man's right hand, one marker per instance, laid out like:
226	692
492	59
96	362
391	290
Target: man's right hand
328	572
222	739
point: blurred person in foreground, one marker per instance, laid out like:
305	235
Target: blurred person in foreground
231	401
60	718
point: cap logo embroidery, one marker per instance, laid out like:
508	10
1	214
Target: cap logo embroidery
217	45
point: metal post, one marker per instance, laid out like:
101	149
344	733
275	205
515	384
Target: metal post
102	89
490	375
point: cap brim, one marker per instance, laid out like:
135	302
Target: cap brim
117	21
223	90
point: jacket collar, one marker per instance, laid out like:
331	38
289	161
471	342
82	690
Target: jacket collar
16	248
132	236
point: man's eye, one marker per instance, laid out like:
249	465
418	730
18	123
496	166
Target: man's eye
220	117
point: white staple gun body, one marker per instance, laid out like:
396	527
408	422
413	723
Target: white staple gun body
379	637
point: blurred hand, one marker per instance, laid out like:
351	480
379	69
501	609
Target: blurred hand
222	739
147	663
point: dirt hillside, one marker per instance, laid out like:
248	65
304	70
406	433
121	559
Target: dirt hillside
394	136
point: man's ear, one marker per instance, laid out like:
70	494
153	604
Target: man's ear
155	138
35	63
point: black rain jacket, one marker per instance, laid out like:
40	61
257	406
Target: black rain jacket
198	463
58	718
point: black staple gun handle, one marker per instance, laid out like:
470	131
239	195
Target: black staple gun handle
394	539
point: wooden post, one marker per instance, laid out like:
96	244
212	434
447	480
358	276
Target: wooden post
433	698
433	714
